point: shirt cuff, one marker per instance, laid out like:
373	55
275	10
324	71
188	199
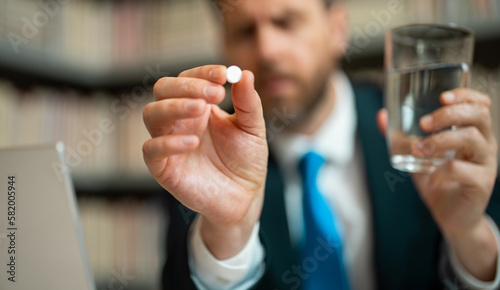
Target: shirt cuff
208	272
469	281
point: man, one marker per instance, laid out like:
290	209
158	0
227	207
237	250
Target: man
251	227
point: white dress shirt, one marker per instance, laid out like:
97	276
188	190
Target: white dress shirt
341	181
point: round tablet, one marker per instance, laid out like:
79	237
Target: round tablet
234	74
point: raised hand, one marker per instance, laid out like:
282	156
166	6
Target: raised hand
457	192
212	162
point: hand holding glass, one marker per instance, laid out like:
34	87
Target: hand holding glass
422	61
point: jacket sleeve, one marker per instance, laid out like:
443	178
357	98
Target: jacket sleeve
176	273
448	276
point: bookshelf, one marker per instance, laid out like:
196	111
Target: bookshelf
370	19
81	71
101	44
124	236
91	65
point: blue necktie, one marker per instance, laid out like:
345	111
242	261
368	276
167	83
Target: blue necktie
322	252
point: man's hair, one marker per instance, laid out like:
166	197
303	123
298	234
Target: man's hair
221	5
328	3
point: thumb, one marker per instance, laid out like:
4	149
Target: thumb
247	105
382	121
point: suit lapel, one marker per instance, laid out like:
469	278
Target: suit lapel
405	235
274	229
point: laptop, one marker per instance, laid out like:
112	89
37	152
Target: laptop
41	240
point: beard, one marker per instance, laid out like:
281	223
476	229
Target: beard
290	111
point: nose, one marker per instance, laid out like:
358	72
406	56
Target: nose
269	45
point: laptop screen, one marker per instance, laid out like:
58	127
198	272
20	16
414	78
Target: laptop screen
41	241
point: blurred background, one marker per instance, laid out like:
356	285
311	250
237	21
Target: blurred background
81	71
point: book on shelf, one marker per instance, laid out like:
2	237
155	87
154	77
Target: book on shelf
101	140
108	35
124	236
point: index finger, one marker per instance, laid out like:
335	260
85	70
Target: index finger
464	95
213	73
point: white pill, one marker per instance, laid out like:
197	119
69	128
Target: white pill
234	74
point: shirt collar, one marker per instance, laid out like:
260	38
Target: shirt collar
335	139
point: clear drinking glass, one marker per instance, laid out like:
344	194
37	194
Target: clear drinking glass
421	62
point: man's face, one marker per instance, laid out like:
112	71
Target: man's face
290	45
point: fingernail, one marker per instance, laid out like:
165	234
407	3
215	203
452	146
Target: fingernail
212	91
188	140
192	105
427	121
214	73
417	149
449	97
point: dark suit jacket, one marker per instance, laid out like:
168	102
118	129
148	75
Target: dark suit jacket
406	239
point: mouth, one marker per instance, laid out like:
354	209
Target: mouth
277	86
